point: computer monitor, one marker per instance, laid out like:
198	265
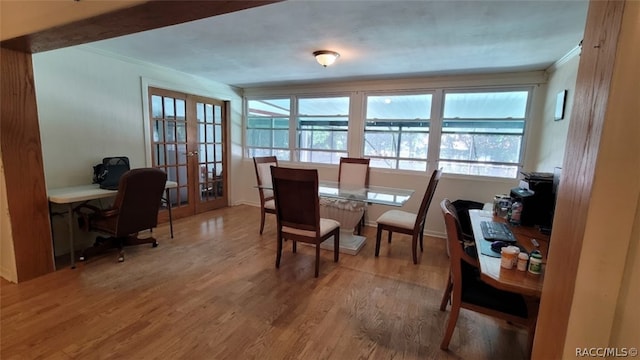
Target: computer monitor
557	172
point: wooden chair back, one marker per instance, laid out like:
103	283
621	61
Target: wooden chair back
297	200
426	201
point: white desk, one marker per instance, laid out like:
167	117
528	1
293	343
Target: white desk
74	194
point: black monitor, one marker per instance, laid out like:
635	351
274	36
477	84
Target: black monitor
556	181
557	172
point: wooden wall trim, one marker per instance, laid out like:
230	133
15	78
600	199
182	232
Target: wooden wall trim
150	15
587	119
24	170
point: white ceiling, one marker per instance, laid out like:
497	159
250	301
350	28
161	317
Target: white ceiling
272	44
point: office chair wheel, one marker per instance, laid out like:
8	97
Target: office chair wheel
121	256
154	244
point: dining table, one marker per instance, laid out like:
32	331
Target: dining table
351	201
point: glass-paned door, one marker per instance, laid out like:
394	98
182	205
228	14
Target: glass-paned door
211	150
187	143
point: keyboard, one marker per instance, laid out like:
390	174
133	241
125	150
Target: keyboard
494	231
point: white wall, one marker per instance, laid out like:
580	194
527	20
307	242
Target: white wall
90	106
550	139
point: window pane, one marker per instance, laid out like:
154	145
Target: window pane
168	108
397	126
384	163
280	154
200	112
324	157
482	132
399	107
485	148
156	106
484	126
480	169
380	144
322	124
268	138
486	105
268	127
412	165
414	145
338	106
180	109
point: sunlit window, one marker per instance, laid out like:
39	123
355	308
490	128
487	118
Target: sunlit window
482	132
268	128
396	134
322	129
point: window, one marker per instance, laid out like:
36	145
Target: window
268	128
478	132
482	132
322	125
396	134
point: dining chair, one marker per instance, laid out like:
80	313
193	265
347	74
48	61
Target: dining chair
355	172
263	176
298	212
134	209
466	290
407	222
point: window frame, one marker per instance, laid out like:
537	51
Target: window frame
357	118
529	89
271	150
297	149
398	159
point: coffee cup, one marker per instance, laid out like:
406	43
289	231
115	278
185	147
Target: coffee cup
508	257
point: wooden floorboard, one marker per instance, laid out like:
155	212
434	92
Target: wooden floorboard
213	292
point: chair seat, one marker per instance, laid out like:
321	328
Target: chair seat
398	218
477	292
326	226
270	204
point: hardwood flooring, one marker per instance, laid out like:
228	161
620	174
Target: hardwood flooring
213	292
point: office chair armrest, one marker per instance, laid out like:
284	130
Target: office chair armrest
83	216
109	213
95	212
78	209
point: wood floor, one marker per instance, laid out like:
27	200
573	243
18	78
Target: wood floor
213	292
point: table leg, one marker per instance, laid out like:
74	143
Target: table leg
168	200
71	246
53	239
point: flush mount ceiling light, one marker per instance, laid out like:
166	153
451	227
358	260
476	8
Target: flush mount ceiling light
325	57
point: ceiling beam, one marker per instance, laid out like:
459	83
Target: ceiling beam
146	16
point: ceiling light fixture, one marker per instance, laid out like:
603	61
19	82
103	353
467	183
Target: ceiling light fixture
325	57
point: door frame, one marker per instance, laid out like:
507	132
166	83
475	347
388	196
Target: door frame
197	93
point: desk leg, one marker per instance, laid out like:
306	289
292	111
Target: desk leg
53	239
71	246
168	200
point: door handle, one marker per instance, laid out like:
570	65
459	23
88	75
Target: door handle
192	153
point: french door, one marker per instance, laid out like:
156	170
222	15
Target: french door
188	142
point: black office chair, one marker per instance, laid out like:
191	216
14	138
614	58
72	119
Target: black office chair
135	209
